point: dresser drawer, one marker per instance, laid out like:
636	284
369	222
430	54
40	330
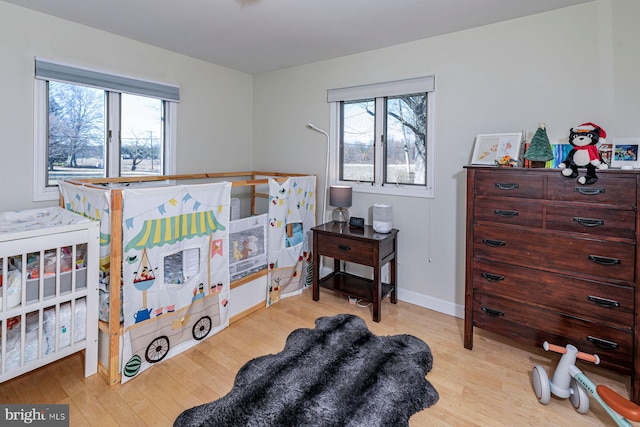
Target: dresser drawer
619	190
557	252
532	325
596	221
601	302
345	249
509	211
490	183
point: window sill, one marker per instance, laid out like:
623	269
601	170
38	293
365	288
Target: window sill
392	190
45	194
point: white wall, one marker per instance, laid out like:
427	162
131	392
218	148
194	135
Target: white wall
563	68
214	115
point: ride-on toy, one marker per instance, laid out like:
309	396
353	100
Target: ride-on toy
569	381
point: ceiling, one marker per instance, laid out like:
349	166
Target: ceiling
256	36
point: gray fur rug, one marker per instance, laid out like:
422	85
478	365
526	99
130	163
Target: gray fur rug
337	374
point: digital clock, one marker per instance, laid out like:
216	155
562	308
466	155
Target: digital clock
356	222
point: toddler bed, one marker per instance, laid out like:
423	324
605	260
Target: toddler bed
48	289
185	267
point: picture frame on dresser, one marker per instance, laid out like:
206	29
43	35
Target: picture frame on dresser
606	152
625	153
493	146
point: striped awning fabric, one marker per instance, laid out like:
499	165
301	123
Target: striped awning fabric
161	231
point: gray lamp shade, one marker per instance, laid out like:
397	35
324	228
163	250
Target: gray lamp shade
340	196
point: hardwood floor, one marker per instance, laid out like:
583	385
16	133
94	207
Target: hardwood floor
489	386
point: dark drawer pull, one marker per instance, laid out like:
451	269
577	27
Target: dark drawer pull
603	260
494	243
505	214
492	277
604	344
603	302
588	222
588	191
491	312
506	186
344	247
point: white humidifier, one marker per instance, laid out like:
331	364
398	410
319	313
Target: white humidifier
382	218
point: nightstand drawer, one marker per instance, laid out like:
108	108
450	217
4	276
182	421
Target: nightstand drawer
532	325
488	183
346	249
556	252
592	300
509	211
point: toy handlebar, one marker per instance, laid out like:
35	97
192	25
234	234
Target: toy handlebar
593	358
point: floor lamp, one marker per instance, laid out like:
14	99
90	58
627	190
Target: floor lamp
326	180
326	172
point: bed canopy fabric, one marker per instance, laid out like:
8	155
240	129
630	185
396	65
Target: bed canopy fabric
292	214
175	259
172	304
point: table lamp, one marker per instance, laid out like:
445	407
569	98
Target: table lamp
340	197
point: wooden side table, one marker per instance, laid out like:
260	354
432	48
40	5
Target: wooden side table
361	246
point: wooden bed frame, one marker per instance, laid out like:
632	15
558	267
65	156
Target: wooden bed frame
113	328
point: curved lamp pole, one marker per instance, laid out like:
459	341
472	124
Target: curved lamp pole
326	173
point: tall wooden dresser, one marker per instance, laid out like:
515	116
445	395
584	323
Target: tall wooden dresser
549	259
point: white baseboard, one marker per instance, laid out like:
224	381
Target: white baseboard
431	303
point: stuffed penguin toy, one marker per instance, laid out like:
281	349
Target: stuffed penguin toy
584	153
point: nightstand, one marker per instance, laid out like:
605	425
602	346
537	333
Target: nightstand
361	246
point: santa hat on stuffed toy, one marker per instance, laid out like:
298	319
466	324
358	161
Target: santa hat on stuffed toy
588	127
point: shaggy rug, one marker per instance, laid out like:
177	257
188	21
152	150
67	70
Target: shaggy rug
337	374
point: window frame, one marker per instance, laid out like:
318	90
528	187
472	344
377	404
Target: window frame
42	191
379	92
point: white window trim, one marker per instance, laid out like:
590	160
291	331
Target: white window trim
427	191
42	192
113	134
171	136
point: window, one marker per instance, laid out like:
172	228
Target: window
382	137
95	125
182	266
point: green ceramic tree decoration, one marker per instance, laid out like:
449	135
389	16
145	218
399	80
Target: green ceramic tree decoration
539	151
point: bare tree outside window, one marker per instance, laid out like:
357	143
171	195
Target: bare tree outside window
358	135
76	132
142	136
382	137
94	124
406	139
404	134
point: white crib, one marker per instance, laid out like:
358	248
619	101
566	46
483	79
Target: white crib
48	289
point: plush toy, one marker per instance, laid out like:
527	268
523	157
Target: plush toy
584	153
